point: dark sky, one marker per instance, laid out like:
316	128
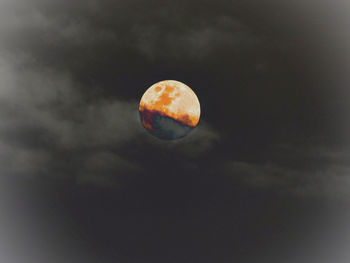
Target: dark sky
265	177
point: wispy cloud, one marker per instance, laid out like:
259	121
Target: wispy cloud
319	171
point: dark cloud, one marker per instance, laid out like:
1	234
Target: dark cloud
307	168
332	182
45	116
266	167
196	41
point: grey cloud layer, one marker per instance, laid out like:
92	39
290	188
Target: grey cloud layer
45	27
48	129
313	171
55	120
82	181
196	42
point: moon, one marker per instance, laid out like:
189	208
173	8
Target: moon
169	109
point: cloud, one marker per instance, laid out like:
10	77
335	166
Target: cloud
314	171
65	92
20	19
43	116
55	31
19	161
199	141
105	169
196	41
49	128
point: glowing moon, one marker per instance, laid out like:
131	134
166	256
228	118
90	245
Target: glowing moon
169	109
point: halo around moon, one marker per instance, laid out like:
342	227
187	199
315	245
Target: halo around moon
169	109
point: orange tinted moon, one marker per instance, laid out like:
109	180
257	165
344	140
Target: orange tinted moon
168	105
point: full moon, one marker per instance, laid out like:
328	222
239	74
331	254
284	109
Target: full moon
169	109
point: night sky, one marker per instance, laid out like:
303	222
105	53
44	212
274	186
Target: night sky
263	178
